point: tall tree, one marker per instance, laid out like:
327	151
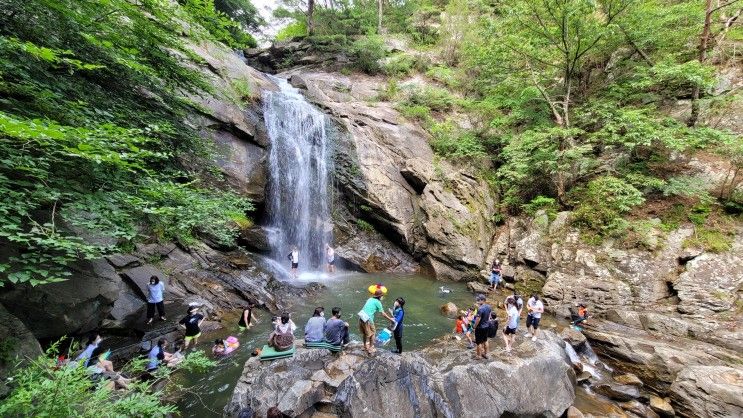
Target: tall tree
310	17
379	16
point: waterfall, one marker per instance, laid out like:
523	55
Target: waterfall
299	170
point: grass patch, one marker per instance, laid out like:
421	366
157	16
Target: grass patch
710	239
364	225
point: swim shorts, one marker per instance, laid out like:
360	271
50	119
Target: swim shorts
481	335
511	331
531	321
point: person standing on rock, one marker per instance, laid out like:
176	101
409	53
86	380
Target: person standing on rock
314	331
330	258
336	330
512	323
246	319
366	320
294	258
192	323
495	274
155	292
399	314
534	307
482	324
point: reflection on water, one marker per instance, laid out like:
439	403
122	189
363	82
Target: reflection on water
209	393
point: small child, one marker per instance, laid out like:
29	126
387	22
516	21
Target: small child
218	348
582	314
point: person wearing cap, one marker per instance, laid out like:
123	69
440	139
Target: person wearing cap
366	319
192	323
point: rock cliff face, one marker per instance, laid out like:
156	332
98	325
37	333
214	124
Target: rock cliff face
436	382
390	178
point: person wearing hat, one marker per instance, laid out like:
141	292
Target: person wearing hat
192	323
366	319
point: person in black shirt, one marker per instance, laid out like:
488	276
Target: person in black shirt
482	325
192	322
246	319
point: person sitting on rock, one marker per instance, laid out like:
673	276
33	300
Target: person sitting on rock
282	338
336	330
94	339
157	355
102	368
314	331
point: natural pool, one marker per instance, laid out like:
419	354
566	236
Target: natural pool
208	393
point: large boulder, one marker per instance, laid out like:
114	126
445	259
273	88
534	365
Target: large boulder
19	346
439	381
708	391
73	306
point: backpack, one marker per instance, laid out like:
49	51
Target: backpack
492	328
283	341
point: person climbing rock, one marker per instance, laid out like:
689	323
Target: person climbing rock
512	323
534	308
155	292
314	331
399	314
246	319
330	258
336	330
192	323
582	316
366	320
495	274
482	324
294	258
282	337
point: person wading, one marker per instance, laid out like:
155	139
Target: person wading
294	258
192	323
246	319
482	324
366	320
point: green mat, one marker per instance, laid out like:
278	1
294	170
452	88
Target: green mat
323	344
268	353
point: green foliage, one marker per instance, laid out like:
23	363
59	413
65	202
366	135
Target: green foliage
547	204
219	25
241	11
443	75
415	112
293	30
91	132
710	239
367	52
390	91
603	203
399	65
434	98
451	142
364	225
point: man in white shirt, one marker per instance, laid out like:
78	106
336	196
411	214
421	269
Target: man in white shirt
534	308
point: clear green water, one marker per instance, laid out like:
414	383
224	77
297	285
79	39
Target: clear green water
208	393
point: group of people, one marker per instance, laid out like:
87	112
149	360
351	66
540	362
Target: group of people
335	331
293	258
482	321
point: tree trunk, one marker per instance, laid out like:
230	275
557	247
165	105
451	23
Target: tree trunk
703	44
379	17
310	17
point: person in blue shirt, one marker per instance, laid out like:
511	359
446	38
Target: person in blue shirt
398	313
94	339
158	355
155	291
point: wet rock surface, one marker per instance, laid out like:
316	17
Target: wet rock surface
439	381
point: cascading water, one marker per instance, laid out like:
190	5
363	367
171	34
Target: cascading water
299	169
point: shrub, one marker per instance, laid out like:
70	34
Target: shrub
367	51
364	225
416	112
548	204
449	141
389	91
710	239
603	203
434	98
292	30
444	75
399	65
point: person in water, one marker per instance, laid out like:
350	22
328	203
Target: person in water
398	313
246	319
366	320
157	355
330	258
512	323
495	274
192	323
282	337
482	325
155	291
314	331
336	330
534	308
94	339
294	258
